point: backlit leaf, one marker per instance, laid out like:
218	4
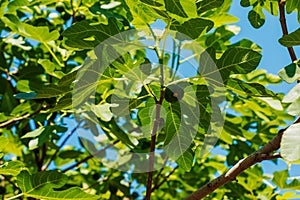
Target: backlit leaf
42	184
289	147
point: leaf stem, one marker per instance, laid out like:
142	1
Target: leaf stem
19	118
283	24
90	156
61	145
178	61
53	54
14	197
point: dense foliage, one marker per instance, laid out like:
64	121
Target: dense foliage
89	88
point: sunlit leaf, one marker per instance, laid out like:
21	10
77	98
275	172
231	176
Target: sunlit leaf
289	147
290	73
292	39
12	168
42	185
76	36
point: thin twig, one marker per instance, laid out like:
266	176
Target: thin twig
90	156
160	171
283	24
164	180
61	145
14	197
11	182
19	118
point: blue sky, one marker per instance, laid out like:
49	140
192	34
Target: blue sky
275	57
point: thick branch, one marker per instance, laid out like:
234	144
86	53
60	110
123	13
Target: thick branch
262	154
265	153
282	20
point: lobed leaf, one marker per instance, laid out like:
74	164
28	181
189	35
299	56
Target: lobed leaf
289	146
290	73
42	184
292	39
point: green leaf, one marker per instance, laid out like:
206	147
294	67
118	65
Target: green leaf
12	168
258	76
26	95
63	87
178	135
280	178
185	161
11	144
42	184
3	142
292	39
290	73
41	135
193	28
207	5
173	123
64	103
289	147
221	19
293	95
175	7
51	68
238	60
40	33
3	5
140	12
103	111
294	185
293	5
288	195
256	18
34	133
112	127
248	89
273	103
85	35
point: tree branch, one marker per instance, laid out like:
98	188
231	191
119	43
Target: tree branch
262	154
283	24
160	171
164	180
60	146
265	153
19	118
155	126
89	157
153	141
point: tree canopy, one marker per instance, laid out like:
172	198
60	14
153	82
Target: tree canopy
125	99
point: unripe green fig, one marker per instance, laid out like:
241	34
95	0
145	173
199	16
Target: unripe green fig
60	8
65	16
79	18
173	93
